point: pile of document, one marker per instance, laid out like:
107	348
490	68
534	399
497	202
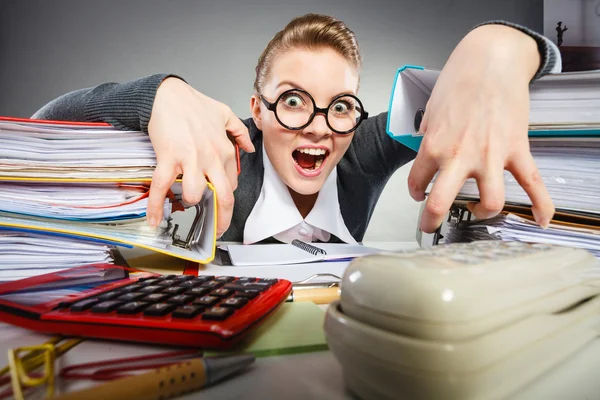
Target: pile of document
25	254
513	227
569	167
564	135
69	193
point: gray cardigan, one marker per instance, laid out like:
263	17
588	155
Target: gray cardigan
363	171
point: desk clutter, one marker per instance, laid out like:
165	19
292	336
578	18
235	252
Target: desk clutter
112	302
462	321
79	182
564	140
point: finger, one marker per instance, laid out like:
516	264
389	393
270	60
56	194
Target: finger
231	170
523	168
163	177
421	174
225	199
443	193
491	192
236	128
193	184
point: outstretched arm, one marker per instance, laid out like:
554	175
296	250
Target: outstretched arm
476	123
188	132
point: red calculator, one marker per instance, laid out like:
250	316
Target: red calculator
113	302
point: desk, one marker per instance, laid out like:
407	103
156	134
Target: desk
314	375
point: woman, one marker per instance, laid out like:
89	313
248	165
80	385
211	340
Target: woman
314	164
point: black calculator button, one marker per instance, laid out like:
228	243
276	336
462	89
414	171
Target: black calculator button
130	296
131	288
189	284
206	301
249	294
224	279
159	309
106	306
151	289
205	278
170	276
182	278
221	292
212	284
167	282
246	279
110	295
149	282
234	302
132	308
174	290
247	286
217	313
180	299
198	291
155	297
187	311
270	281
84	304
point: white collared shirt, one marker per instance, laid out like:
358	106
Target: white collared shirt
276	215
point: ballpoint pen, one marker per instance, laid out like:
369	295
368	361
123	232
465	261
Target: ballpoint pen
166	382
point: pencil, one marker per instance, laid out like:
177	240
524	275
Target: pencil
324	295
166	382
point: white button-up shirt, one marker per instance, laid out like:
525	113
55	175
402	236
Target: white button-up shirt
276	215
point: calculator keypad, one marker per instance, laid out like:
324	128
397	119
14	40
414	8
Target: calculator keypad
182	297
474	253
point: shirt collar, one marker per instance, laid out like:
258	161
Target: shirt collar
275	211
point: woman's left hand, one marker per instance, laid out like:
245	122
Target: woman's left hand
476	125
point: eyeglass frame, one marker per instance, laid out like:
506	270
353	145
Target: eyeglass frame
325	111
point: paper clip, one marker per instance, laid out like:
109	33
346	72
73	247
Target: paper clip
22	369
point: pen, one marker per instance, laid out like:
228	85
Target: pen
322	295
166	382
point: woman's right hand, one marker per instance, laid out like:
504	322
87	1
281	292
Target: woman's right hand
189	131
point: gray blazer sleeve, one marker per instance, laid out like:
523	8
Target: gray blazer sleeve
123	105
550	59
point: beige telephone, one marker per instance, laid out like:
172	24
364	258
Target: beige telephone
462	321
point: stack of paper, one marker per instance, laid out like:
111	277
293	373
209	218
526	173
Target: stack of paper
67	151
513	227
569	168
24	254
86	182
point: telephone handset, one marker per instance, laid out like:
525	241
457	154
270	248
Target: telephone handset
463	320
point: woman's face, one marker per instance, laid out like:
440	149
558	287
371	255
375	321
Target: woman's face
305	158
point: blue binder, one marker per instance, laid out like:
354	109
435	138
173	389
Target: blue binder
412	88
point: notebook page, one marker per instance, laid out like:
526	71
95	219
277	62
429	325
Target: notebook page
279	254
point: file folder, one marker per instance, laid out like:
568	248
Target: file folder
52	154
566	104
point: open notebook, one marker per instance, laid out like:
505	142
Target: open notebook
295	253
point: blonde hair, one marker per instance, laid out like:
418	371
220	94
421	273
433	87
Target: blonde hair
312	32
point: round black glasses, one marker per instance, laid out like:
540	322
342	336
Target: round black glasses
295	109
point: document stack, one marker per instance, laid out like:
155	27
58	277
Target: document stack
71	192
564	134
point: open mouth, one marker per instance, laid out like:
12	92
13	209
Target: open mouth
310	160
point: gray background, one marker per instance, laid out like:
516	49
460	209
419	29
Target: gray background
48	48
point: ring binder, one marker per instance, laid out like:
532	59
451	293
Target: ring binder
193	232
418	119
314	250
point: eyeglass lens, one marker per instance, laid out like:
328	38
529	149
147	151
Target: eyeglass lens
295	109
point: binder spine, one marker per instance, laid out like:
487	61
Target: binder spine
314	250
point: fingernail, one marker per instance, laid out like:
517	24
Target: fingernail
544	223
153	222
